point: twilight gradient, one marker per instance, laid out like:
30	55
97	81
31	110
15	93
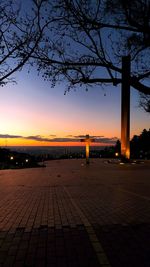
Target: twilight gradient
32	107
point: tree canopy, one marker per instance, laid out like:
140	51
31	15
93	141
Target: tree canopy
139	144
20	33
81	41
86	44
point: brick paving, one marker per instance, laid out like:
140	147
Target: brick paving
69	215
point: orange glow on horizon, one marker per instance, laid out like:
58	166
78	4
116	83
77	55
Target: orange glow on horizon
23	142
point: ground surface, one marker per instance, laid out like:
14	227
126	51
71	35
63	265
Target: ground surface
72	215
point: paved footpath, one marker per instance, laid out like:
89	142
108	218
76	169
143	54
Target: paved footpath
72	215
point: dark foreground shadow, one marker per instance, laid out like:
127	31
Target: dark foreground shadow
126	245
45	246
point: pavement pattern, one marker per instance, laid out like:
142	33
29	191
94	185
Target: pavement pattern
70	214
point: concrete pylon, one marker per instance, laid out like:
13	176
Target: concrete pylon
125	108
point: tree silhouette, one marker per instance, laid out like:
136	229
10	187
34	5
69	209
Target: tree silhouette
140	145
135	15
118	147
82	41
87	43
20	33
145	102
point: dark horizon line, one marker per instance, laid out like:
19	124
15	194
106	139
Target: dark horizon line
55	146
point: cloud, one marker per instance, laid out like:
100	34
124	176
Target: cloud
40	138
69	138
10	136
91	136
66	139
106	140
37	138
100	139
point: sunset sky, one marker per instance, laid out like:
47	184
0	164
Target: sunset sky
33	113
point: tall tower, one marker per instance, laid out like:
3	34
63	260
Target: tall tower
125	108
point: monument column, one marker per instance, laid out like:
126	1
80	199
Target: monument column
87	149
87	141
125	108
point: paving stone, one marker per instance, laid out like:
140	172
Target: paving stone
77	216
9	262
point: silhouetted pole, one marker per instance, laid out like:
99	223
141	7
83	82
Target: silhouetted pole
87	141
125	108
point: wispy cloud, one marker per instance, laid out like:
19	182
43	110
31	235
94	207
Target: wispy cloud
10	136
64	139
99	139
69	138
91	136
106	140
37	138
40	138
